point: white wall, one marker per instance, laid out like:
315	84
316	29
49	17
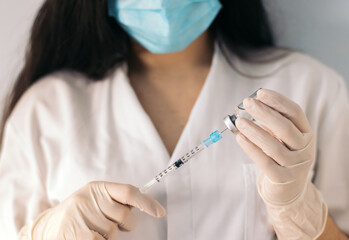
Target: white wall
317	27
16	17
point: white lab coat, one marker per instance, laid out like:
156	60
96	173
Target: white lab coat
66	131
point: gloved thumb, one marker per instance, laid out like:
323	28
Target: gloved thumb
129	195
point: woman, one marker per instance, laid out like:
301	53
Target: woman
112	92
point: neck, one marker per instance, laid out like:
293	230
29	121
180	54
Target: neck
198	54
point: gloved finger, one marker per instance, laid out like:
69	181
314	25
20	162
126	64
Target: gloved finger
286	107
267	143
126	220
264	162
102	224
280	126
94	236
103	214
114	215
122	215
83	234
130	195
113	235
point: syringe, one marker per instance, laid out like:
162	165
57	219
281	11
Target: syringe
229	121
214	137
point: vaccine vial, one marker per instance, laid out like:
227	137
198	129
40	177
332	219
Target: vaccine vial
239	112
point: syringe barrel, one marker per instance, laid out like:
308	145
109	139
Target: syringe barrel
148	185
184	159
239	112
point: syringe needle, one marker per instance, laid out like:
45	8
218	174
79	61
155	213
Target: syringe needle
224	130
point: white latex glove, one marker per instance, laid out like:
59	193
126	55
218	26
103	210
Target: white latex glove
96	211
283	147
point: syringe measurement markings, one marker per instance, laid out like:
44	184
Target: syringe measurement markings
178	163
165	172
214	137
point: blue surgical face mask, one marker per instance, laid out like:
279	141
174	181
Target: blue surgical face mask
164	26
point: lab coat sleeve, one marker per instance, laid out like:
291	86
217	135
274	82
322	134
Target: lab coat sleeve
22	187
332	168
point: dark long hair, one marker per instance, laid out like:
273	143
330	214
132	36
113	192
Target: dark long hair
78	35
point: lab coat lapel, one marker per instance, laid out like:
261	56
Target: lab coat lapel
179	186
138	128
137	124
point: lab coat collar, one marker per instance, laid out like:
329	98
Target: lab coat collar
133	119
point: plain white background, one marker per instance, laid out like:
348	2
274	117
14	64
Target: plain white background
317	27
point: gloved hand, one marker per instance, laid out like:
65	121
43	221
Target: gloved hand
283	147
96	211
